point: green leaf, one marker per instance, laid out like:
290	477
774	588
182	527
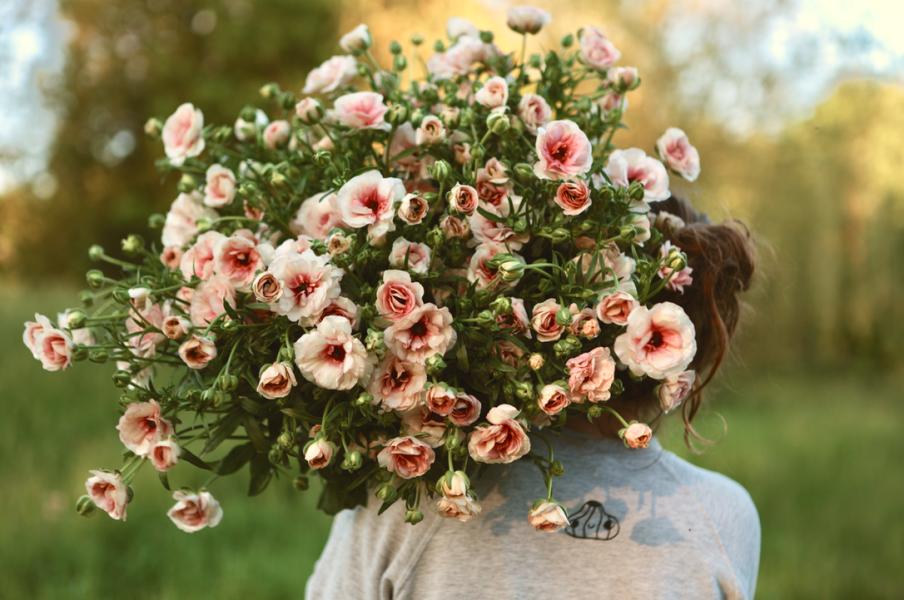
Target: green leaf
299	414
260	474
223	429
490	216
406	153
235	460
510	338
255	434
188	457
164	480
258	306
501	366
255	408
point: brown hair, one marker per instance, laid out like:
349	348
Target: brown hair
723	259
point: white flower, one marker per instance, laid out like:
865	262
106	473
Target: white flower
367	201
182	134
332	357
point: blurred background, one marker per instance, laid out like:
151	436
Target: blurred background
796	107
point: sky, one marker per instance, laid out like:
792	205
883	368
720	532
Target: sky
841	38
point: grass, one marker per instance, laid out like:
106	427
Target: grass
820	455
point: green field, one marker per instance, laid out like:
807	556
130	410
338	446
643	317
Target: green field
820	454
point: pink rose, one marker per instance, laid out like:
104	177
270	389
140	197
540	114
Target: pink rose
33	330
267	288
198	261
182	134
309	110
658	342
276	381
368	199
548	516
398	296
675	389
413	209
319	453
425	332
141	427
504	440
397	384
463	199
220	187
276	134
194	512
197	351
209	299
431	131
357	40
583	322
494	188
176	328
544	322
171	257
494	93
527	19
534	111
341	307
331	75
181	220
52	346
418	256
109	493
425	425
591	374
238	259
362	110
458	59
332	357
553	399
149	323
598	52
165	454
573	197
317	216
637	435
626	166
563	151
405	138
454	228
440	399
612	101
622	78
407	457
515	322
678	154
462	508
310	283
614	308
466	409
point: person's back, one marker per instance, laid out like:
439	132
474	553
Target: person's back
644	524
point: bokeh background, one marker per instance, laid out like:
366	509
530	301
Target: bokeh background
796	106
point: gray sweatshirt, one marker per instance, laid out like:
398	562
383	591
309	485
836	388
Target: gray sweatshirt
644	524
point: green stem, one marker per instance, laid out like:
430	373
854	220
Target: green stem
623	422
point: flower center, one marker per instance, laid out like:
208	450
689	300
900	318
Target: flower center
371	201
656	339
336	353
559	151
418	329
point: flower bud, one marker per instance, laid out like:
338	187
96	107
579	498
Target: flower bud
627	233
85	299
636	191
567	41
551	59
523	172
511	270
498	123
153	128
396	115
477	152
364	399
121	296
301	483
399	63
80	353
286	355
279	180
414	516
560	236
249	113
521	225
229	326
537	361
132	245
99	356
534	61
204	224
187	184
122	378
556	468
276	455
287	101
417	39
616	388
352	461
386	492
374	341
501	305
322	158
156	221
439	47
435	364
95	252
524	391
269	91
435	237
594	411
441	170
452	442
563	317
286	440
486	37
486	318
85	506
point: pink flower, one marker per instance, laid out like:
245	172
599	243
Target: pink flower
462	508
276	381
440	399
457	27
573	197
309	110
637	435
405	138
463	199
141	427
622	78
504	440
487	230
431	131
332	357
583	322
407	457
220	187
341	307
319	453
52	346
148	322
658	342
33	330
427	426
310	282
596	51
615	307
181	220
362	110
171	257
398	296
591	374
466	409
480	272
676	280
165	454
454	228
197	351
678	154
109	493
357	40
534	111
176	328
425	332
627	166
198	261
182	134
418	256
675	389
194	512
458	59
515	322
238	259
397	384
494	188
267	288
209	299
544	322
612	101
276	135
548	516
331	75
527	19
367	200
553	399
317	216
563	151
494	93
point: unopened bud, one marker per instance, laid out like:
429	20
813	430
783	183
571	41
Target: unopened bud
95	252
187	184
524	172
279	180
417	39
269	91
301	483
435	237
352	461
441	170
276	455
521	225
556	468
498	123
477	152
122	378
322	158
229	326
524	391
85	299
132	244
364	399
156	221
452	442
286	440
286	355
594	411
486	37
153	128
439	47
563	317
627	233
501	305
80	353
399	63
85	506
414	516
386	492
486	318
396	115
435	364
567	41
534	61
537	361
374	341
560	236
204	224
99	356
636	191
121	296
616	388
287	101
511	270
76	319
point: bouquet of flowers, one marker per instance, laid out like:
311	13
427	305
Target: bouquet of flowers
394	283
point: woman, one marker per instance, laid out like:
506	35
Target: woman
644	523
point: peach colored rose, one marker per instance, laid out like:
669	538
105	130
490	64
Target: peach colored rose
407	457
495	189
341	307
615	307
165	454
583	322
54	348
536	361
466	409
276	134
331	75
332	357
440	399
182	134
292	248
612	101
338	243
267	288
678	154
454	228
658	342
397	384
462	149
142	426
642	228
176	327
675	389
494	93
209	299
515	322
637	435
309	110
109	493
527	19
626	166
33	330
457	508
598	52
503	440
368	199
197	351
573	197
185	294
194	512
362	110
357	40
171	257
238	259
198	261
405	138
534	111
431	131
544	322
591	375
463	199
310	283
398	296
413	209
418	256
220	187
427	426
181	220
319	453
458	59
563	151
548	516
276	381
507	352
425	332
553	399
